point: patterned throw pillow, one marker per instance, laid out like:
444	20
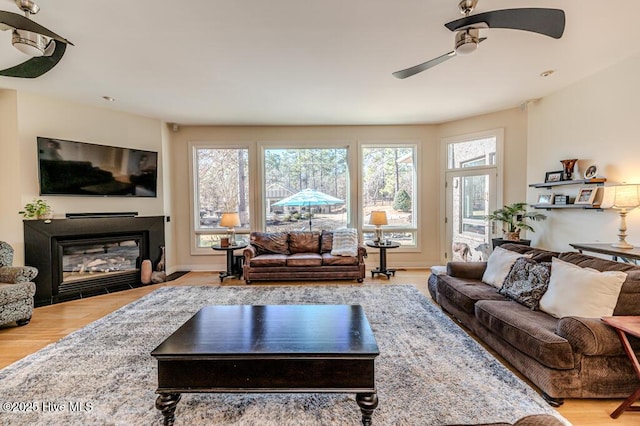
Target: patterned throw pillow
527	281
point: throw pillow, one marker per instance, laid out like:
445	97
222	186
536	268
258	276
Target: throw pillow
581	292
345	242
527	282
498	266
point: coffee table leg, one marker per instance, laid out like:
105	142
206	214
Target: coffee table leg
166	403
367	403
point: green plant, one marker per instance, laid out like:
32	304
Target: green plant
35	210
402	201
514	217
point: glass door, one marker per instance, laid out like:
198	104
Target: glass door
470	197
472	178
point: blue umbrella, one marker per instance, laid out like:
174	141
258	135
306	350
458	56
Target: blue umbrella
309	197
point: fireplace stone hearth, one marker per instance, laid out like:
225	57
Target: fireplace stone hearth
88	256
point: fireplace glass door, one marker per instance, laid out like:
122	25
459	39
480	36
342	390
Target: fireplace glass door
99	258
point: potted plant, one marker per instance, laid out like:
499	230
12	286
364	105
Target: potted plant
38	209
514	218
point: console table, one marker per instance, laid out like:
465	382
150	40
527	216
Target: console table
631	255
627	325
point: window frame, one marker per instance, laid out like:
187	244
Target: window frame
416	201
263	146
194	214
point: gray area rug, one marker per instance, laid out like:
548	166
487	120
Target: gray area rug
429	371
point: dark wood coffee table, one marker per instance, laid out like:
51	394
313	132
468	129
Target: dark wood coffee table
272	348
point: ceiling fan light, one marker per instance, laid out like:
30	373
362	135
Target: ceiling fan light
29	43
467	41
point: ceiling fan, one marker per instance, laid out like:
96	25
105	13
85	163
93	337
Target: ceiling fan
549	22
44	46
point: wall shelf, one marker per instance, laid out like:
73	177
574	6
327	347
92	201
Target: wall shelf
567	206
594	181
549	185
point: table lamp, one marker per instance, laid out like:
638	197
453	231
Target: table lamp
625	198
230	221
378	218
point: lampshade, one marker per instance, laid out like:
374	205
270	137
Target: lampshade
626	197
378	217
229	220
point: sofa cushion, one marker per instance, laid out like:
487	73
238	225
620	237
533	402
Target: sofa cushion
329	259
465	292
270	242
304	259
269	260
527	281
629	299
304	242
581	292
498	266
531	332
326	241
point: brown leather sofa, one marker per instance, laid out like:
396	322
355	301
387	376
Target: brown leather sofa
277	256
570	357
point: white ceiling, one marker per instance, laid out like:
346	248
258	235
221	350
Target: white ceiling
304	62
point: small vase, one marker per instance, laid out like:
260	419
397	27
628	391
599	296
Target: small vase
145	271
567	167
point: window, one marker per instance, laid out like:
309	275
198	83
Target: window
221	185
306	188
473	153
389	184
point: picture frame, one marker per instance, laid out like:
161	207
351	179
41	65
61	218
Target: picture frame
591	172
561	200
586	195
553	176
545	199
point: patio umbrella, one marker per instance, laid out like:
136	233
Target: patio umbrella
307	198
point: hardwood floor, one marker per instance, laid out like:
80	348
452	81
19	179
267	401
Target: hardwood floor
50	323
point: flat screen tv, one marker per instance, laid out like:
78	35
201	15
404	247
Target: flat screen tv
80	168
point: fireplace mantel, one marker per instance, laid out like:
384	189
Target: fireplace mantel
42	248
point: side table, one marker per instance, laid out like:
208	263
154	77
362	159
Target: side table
627	325
382	269
231	270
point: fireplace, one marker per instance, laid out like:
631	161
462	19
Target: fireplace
88	256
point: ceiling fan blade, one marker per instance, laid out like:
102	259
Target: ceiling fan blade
549	22
424	66
19	22
429	64
35	67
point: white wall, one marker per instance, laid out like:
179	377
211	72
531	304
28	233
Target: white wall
595	121
41	116
10	191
